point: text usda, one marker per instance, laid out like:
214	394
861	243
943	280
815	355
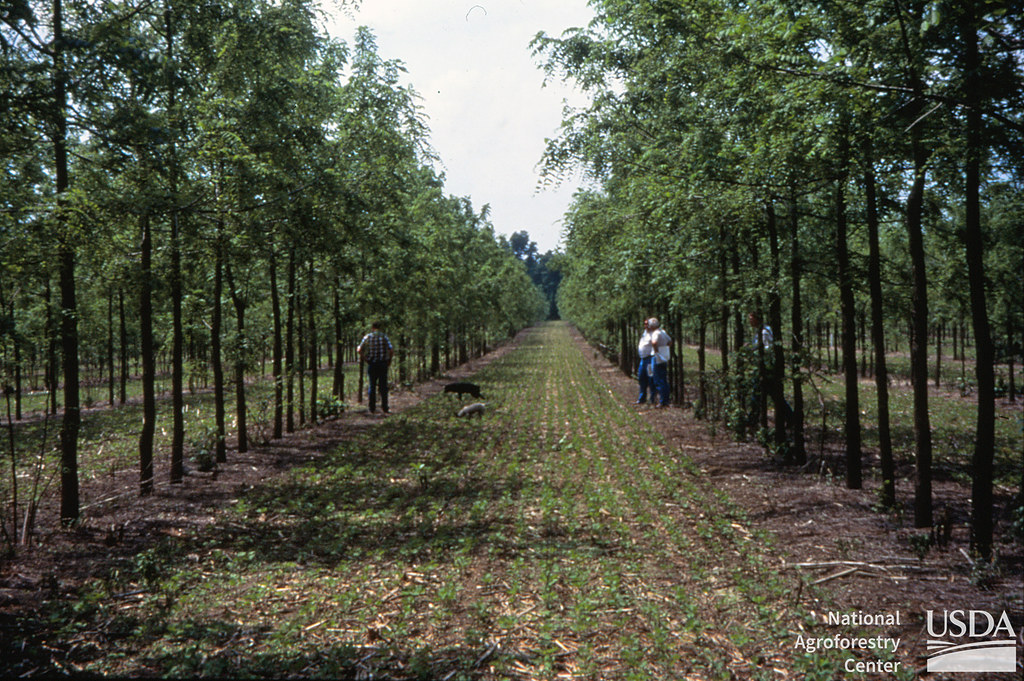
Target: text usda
970	641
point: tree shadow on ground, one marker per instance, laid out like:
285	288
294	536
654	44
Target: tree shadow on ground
383	659
413	489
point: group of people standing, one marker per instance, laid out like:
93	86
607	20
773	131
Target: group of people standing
653	370
654	354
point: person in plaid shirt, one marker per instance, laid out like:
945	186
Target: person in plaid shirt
375	349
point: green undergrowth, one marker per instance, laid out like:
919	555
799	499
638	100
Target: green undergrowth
558	535
108	442
952	412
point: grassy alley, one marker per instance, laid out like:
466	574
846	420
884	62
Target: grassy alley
557	537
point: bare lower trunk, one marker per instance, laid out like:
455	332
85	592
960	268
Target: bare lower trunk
220	453
849	342
148	361
984	439
275	300
888	465
797	351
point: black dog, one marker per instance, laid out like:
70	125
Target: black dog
461	389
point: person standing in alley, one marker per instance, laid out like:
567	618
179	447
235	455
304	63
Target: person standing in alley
643	373
660	343
376	350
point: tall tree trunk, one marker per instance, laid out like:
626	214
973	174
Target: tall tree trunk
919	285
1011	360
849	336
821	349
177	364
240	358
289	347
762	376
148	359
216	330
69	502
778	368
10	494
275	303
18	378
678	368
702	379
739	329
723	291
110	347
797	322
338	389
837	344
447	351
403	359
984	438
300	348
361	385
887	463
626	353
963	352
15	336
919	342
123	334
177	342
862	339
314	349
52	347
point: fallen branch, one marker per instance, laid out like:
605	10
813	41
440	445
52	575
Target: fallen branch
858	564
128	594
852	567
487	653
837	575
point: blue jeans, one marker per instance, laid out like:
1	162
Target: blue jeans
377	375
659	382
645	380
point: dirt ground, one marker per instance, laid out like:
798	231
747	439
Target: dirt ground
863	560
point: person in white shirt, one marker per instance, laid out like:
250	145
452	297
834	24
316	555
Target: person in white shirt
761	341
763	384
644	351
660	343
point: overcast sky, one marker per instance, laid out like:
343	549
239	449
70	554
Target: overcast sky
483	94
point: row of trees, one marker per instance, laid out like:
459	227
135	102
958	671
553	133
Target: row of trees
215	180
809	161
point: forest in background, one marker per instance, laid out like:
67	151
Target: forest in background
851	171
193	191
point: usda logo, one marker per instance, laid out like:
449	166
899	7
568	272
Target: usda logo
970	641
